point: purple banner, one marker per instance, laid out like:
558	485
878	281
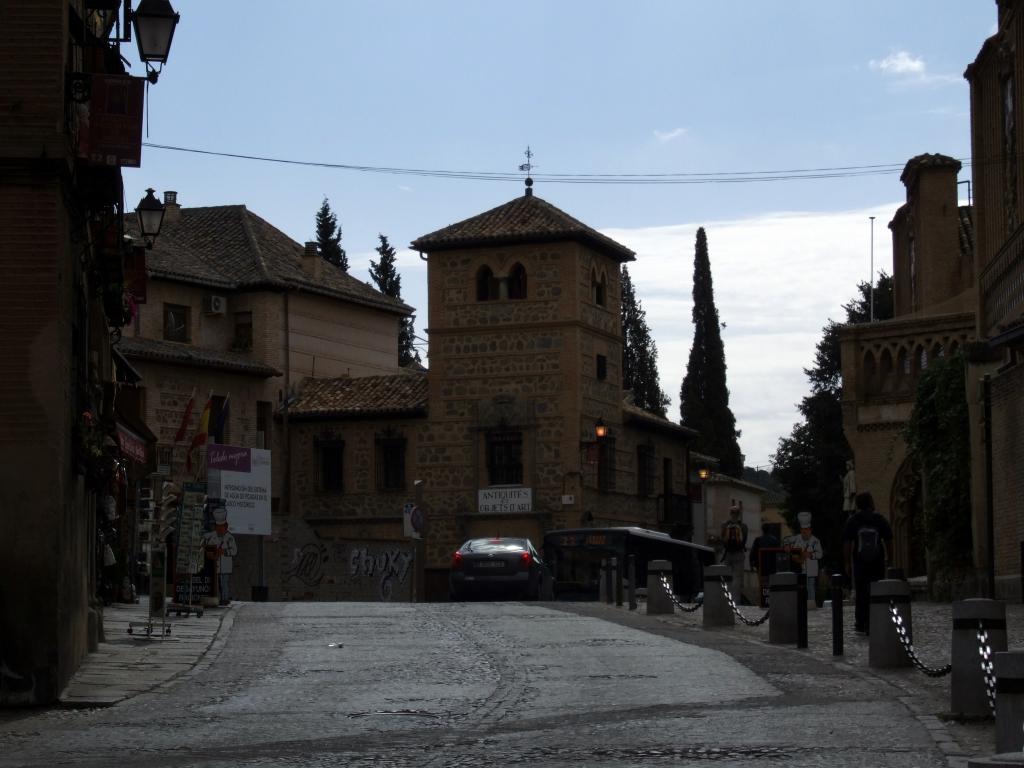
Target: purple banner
229	458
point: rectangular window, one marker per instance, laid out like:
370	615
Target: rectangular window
330	463
606	464
602	367
646	474
391	464
505	458
177	320
263	416
243	332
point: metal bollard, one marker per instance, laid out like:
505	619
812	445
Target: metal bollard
631	575
837	614
968	694
782	597
608	579
801	610
617	581
717	612
884	648
658	600
1009	669
602	582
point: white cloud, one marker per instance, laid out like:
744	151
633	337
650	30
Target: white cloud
778	279
900	63
666	136
907	69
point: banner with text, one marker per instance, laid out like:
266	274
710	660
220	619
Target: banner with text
241	477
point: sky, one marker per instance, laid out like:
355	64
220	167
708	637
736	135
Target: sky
723	89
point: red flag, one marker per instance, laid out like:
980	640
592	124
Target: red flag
180	434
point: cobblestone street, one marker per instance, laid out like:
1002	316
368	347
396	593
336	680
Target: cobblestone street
319	684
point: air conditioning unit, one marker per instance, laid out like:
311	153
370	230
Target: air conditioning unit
214	305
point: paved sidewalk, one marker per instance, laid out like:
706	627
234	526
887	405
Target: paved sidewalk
927	697
129	664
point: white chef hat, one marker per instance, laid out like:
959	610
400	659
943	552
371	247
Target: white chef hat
804	519
220	515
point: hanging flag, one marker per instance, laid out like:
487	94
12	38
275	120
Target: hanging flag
180	434
201	433
222	420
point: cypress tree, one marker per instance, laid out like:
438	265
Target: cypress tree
328	237
639	353
704	397
385	276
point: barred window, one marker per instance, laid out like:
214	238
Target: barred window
390	464
646	475
505	458
330	465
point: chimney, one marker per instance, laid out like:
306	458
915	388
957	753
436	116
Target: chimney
172	211
311	260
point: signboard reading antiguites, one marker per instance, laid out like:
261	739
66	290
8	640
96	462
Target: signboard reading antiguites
505	500
241	477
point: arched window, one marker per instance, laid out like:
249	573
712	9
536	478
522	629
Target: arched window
597	288
517	282
486	284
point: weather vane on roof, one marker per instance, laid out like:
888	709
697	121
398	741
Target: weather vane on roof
527	167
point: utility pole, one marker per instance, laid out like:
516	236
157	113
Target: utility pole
871	279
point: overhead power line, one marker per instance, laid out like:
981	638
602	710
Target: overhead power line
720	177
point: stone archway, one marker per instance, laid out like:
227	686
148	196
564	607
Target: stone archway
906	513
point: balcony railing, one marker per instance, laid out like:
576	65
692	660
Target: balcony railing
1002	284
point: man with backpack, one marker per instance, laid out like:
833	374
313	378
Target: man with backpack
867	538
734	543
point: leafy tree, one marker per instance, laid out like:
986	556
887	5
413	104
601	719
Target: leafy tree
639	353
328	237
811	462
389	282
704	397
937	441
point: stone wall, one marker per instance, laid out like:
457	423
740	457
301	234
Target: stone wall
1008	479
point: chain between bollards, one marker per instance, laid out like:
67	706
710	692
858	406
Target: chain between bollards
681	606
987	670
901	632
740	616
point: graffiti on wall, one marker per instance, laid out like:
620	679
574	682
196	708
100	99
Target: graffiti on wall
308	564
389	566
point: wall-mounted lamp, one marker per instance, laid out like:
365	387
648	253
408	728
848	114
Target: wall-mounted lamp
703	473
154	22
600	429
150	212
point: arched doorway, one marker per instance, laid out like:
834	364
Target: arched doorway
907	516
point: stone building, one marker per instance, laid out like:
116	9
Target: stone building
500	432
239	313
62	292
934	296
996	375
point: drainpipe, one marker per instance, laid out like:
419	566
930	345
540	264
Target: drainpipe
287	396
986	398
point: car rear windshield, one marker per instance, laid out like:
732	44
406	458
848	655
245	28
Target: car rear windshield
495	545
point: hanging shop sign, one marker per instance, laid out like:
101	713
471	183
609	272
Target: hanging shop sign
110	122
132	446
505	500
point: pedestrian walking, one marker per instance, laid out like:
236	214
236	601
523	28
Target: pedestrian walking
867	539
734	543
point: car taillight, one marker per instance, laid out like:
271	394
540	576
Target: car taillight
457	561
525	559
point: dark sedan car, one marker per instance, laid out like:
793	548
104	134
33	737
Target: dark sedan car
496	567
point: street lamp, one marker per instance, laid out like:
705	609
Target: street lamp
150	212
600	429
154	22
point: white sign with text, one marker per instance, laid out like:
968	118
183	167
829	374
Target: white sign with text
504	500
241	477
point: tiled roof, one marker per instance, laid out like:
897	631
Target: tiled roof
401	393
638	415
229	247
138	348
526	219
